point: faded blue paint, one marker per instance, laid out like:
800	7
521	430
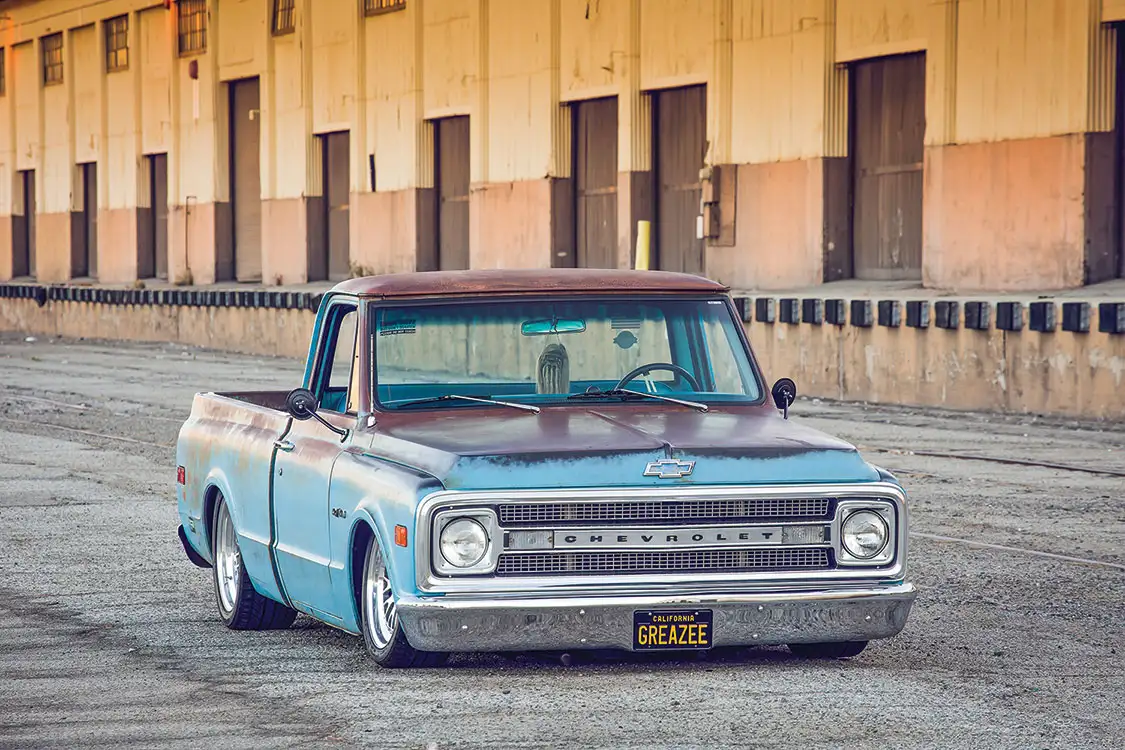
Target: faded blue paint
626	470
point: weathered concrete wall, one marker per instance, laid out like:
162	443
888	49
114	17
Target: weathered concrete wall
1057	372
283	333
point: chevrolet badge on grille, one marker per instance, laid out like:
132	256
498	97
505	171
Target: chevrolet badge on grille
669	468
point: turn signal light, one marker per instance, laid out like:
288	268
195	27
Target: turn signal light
400	536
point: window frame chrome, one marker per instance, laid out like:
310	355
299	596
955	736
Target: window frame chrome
849	496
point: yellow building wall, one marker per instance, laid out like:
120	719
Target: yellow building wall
1022	68
7	150
243	29
593	48
875	28
450	56
120	169
196	156
1113	10
677	41
288	122
780	69
522	116
53	181
24	79
87	77
156	37
775	70
392	88
334	26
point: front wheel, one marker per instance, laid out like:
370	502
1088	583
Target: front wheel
382	633
240	606
841	650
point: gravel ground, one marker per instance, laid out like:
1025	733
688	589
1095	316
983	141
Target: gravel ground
109	636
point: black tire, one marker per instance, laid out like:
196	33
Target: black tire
841	650
249	610
391	649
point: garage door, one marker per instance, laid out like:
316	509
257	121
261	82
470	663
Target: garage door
452	167
889	123
595	182
680	136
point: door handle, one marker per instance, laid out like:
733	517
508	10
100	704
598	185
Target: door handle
284	445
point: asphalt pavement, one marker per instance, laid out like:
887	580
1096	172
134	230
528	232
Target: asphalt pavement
109	637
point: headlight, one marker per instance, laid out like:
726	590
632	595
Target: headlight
463	543
864	534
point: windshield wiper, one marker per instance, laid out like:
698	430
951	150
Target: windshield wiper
622	392
473	399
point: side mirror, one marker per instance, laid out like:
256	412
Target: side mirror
301	404
784	394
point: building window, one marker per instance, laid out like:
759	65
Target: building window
375	7
117	44
192	26
52	59
284	18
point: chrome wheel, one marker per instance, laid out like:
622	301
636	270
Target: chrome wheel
379	600
228	561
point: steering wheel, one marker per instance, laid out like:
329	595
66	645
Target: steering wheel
644	369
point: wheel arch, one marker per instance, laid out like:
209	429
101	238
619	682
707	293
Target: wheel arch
362	532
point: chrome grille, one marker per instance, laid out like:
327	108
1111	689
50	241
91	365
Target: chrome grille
687	511
718	561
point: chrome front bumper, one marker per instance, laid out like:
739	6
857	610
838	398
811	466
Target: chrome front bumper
757	619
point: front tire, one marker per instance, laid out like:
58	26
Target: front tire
241	607
841	650
382	633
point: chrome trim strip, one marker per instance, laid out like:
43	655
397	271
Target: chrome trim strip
755	619
428	582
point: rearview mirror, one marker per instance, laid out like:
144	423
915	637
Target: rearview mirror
784	394
545	327
301	404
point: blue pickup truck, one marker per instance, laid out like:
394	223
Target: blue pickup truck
539	461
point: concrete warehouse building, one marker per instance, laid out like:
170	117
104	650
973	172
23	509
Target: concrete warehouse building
962	144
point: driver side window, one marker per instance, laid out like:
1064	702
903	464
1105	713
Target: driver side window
339	379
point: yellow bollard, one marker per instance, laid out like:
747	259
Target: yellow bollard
641	262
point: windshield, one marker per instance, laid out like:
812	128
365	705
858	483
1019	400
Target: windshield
542	352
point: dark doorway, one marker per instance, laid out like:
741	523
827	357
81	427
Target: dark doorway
84	246
679	146
888	111
23	227
451	170
594	151
158	199
336	161
245	179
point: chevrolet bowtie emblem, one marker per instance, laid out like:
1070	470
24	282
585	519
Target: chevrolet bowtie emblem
669	468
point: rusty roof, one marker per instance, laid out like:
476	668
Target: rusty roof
528	281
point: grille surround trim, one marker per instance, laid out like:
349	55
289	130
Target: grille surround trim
471	587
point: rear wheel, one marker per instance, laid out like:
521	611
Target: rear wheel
241	607
382	633
841	650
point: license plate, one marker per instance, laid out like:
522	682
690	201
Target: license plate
667	630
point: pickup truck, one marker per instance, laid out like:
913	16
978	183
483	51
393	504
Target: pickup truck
548	460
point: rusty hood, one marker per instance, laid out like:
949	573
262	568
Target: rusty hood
604	446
